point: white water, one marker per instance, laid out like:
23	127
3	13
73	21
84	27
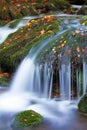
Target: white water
27	83
84	77
65	81
24	77
78	83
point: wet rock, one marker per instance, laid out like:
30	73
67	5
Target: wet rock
82	105
24	39
26	119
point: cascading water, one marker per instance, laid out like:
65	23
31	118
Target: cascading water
65	81
34	83
38	79
25	79
29	81
84	78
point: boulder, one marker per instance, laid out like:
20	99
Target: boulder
82	105
26	119
19	43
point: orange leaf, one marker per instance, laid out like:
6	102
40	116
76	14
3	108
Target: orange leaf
42	32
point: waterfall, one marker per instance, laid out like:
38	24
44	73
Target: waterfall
84	77
29	79
37	80
28	75
47	81
51	83
65	81
78	82
33	87
32	80
24	79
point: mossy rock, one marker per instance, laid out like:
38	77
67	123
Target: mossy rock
18	44
25	119
82	105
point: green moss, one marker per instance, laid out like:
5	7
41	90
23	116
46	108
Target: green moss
18	44
65	44
82	105
53	45
28	118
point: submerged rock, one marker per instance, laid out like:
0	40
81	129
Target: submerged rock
82	105
28	118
